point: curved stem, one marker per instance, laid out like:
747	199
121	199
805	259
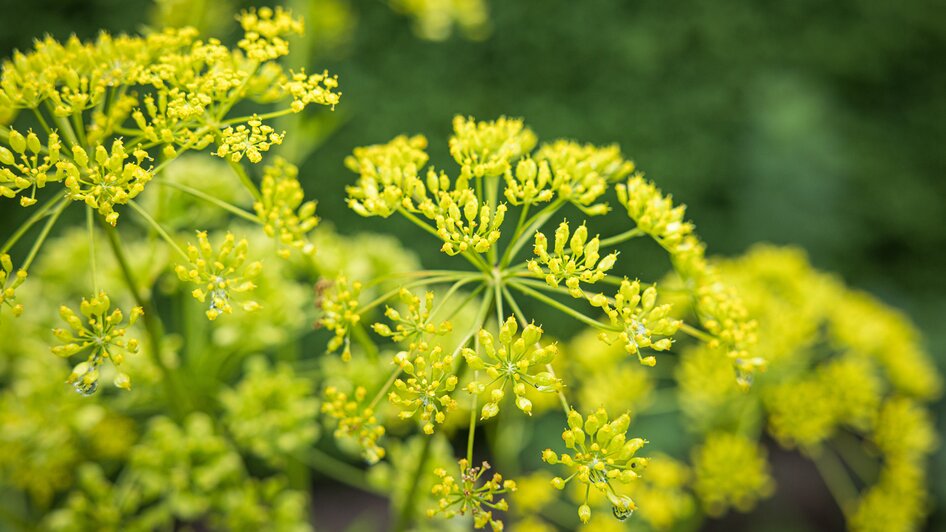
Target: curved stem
157	227
407	511
43	234
623	237
533	225
246	215
539	296
31	221
696	333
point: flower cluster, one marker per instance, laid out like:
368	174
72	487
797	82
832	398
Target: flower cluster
730	470
9	282
643	323
249	140
271	412
512	364
579	264
220	276
312	88
281	208
426	391
434	19
29	166
463	223
355	420
582	172
487	148
415	322
338	302
530	184
388	176
102	334
468	496
602	457
265	32
107	179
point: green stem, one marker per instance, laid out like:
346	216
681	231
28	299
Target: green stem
533	225
89	219
471	436
175	393
245	179
696	333
338	470
157	227
384	389
43	234
472	258
407	511
539	296
835	478
623	237
264	116
31	221
246	215
422	282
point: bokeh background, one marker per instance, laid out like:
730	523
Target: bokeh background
802	122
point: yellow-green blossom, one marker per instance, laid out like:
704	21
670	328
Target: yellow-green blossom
102	334
29	166
413	323
355	421
578	264
107	179
312	88
285	217
463	223
530	184
513	363
643	323
266	30
220	276
9	282
249	140
602	456
488	148
426	390
338	302
730	470
388	176
468	496
581	172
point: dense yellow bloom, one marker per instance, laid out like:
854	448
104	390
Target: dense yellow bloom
220	276
413	323
9	282
285	217
904	429
249	140
602	456
730	470
530	184
388	176
898	501
338	302
265	31
107	179
488	148
312	88
644	324
29	166
426	391
467	496
355	421
513	364
102	334
581	172
578	264
661	493
463	223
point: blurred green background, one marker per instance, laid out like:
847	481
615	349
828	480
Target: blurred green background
804	122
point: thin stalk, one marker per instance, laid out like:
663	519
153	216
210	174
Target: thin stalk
31	221
43	234
533	225
338	470
623	237
264	116
835	478
696	333
407	511
89	224
539	296
422	282
384	389
245	179
157	227
246	215
471	436
472	258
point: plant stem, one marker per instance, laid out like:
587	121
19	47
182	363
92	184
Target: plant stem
31	221
407	511
339	470
157	227
835	478
89	224
696	333
245	179
246	215
560	306
623	237
533	225
43	234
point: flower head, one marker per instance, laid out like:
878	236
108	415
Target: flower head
338	302
29	166
388	176
487	148
249	140
220	276
107	179
513	363
355	421
468	496
425	392
574	259
102	335
730	470
265	31
643	323
9	282
285	217
414	322
581	173
602	456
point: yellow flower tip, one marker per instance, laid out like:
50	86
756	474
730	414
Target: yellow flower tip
584	513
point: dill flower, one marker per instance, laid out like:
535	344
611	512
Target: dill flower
265	32
463	223
312	88
904	429
512	364
29	166
106	179
271	411
897	501
530	184
355	421
220	276
602	456
579	264
582	172
388	176
426	390
487	148
434	19
468	496
415	322
249	140
285	217
9	282
730	470
643	323
661	493
338	302
102	334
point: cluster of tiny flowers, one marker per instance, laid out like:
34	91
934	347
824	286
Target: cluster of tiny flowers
426	390
414	322
29	166
388	176
281	208
265	31
220	276
468	496
486	148
530	184
579	264
643	323
271	412
9	282
434	19
512	364
338	302
602	457
582	172
719	308
662	493
312	88
730	470
102	334
355	421
249	140
463	223
107	180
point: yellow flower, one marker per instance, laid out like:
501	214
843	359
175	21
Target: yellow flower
338	302
426	391
285	217
577	264
9	282
220	276
488	148
355	421
467	496
730	470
